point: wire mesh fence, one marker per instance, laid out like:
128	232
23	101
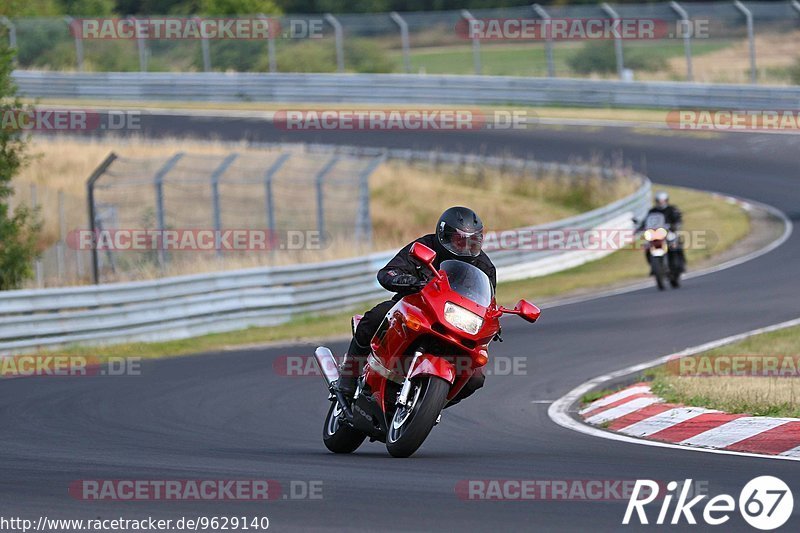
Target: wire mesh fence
700	41
157	216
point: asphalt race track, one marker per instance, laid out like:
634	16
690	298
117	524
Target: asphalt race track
229	415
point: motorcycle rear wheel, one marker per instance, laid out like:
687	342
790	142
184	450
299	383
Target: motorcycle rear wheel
340	437
411	425
657	264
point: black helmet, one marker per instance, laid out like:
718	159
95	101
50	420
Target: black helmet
460	232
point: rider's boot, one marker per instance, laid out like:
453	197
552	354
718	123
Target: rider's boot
350	369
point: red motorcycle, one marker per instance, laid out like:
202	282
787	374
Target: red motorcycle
424	352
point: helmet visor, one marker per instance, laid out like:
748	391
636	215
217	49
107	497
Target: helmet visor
465	244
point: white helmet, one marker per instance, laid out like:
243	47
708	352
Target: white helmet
662	198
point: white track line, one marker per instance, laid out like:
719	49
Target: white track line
560	411
661	421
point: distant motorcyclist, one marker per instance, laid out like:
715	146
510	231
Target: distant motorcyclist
674	220
459	235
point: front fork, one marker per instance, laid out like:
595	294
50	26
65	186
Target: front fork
402	397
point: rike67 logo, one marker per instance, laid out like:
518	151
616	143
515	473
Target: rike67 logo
765	503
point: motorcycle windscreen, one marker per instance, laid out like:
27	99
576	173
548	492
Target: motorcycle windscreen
469	281
655	221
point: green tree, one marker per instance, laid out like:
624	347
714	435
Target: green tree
88	8
225	7
30	8
794	72
19	228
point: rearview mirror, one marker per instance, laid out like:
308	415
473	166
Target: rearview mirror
422	253
528	311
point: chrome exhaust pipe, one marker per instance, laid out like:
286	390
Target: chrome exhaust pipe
330	371
327	364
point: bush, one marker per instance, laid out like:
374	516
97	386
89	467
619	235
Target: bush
600	58
19	230
318	55
794	72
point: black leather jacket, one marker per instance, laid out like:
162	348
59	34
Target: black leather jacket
672	215
403	263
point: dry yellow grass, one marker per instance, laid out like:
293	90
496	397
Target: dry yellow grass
405	199
769	396
417	194
752	395
732	64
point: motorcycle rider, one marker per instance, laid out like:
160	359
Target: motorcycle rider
674	220
459	235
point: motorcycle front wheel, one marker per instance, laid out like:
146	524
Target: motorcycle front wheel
411	424
339	437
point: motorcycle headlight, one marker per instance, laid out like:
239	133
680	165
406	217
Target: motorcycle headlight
461	318
648	235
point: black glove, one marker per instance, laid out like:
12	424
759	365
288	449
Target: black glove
405	281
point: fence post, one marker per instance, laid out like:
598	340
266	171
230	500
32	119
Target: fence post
363	218
268	198
687	37
99	171
158	181
12	35
205	46
611	12
37	264
62	236
339	36
320	182
748	15
548	40
141	44
273	63
78	41
404	41
476	41
215	177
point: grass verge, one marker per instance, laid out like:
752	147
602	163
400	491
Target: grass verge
701	211
755	395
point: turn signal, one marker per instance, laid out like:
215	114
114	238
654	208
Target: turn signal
413	322
482	358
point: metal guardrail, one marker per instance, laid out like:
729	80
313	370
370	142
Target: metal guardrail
179	307
367	40
400	88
